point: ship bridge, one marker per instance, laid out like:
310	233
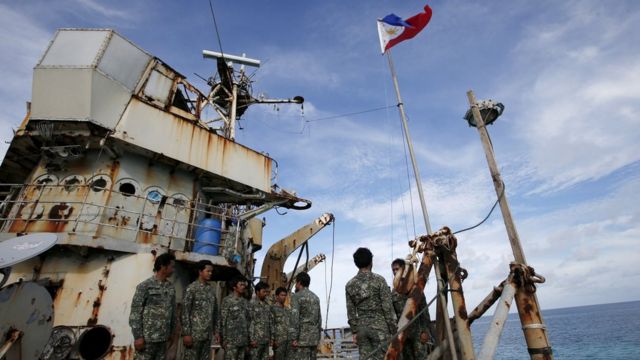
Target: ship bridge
114	154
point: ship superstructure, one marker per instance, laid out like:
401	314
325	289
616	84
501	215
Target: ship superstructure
115	158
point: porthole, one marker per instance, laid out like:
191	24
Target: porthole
99	183
179	201
46	179
154	194
72	183
128	187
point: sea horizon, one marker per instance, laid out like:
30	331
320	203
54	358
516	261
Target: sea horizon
597	331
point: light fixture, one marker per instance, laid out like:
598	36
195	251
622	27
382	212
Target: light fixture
489	110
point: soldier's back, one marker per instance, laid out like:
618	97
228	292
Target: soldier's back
305	306
367	292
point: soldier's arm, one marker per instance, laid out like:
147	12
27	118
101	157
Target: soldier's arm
187	308
137	307
387	306
352	314
272	326
295	318
216	316
319	318
424	317
173	313
223	319
253	315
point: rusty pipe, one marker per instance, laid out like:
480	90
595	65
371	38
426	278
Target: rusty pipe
463	332
438	351
492	337
411	306
486	303
442	302
13	336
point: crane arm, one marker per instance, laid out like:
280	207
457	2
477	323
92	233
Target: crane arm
273	265
306	267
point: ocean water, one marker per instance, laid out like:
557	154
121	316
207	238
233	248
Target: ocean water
607	331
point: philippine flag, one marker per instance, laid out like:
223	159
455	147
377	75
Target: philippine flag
393	30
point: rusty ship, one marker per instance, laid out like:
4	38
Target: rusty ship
114	163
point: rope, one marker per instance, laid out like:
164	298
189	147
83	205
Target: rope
352	113
333	248
488	215
406	162
293	275
215	25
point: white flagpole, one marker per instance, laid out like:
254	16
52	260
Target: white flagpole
442	302
423	203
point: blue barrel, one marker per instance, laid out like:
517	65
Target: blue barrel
207	239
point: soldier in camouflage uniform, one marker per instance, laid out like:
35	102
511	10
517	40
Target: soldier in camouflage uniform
281	319
306	320
200	315
234	317
260	324
417	334
152	317
369	308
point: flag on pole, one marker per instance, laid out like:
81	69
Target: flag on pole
392	29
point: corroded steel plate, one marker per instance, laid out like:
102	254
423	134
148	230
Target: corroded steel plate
26	307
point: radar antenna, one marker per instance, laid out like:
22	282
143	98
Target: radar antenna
231	92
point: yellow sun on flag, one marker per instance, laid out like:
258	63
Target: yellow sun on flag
391	31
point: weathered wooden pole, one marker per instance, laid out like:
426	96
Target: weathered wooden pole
526	301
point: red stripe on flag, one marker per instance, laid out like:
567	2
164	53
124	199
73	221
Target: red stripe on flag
418	22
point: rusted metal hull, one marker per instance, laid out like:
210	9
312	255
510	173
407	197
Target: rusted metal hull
94	289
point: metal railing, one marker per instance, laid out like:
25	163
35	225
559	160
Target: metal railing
339	344
87	209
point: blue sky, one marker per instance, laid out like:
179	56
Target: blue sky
567	144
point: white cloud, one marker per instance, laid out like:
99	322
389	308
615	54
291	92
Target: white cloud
104	11
576	94
22	42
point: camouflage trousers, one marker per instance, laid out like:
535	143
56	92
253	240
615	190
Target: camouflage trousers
235	352
304	353
152	351
282	351
200	350
260	352
372	343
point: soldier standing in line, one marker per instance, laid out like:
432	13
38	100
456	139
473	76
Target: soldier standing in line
260	324
417	334
200	315
281	319
306	320
234	316
369	308
152	317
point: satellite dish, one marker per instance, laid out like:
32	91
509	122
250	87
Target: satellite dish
26	307
21	248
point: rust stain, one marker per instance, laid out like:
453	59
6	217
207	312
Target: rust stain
462	312
93	320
